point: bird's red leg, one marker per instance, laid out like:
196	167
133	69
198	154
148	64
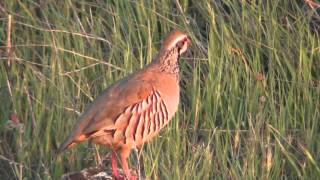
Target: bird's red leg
114	165
126	167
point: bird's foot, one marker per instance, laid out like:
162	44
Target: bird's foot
131	176
121	175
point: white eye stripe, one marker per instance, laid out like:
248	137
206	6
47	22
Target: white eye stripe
176	41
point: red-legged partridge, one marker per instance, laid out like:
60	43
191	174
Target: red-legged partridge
134	109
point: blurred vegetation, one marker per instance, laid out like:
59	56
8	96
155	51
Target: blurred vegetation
250	99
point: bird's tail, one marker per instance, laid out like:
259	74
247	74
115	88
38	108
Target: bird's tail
65	145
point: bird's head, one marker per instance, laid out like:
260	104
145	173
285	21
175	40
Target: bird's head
176	39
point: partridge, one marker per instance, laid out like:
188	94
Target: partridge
134	109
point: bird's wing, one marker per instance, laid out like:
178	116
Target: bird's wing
104	110
138	121
112	106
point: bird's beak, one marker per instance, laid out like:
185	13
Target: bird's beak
188	41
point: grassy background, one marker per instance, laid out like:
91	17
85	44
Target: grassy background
250	95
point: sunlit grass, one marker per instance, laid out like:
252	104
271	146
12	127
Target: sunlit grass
250	85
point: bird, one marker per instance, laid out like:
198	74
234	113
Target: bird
134	109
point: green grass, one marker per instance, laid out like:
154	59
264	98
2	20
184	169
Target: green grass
250	99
